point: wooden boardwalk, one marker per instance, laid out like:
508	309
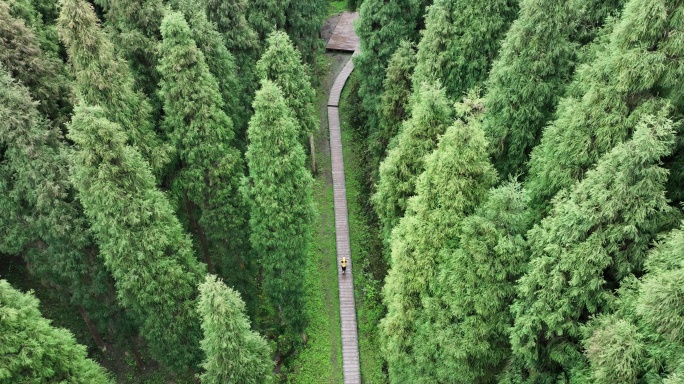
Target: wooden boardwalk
350	344
344	38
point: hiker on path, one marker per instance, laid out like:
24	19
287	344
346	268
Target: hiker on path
343	264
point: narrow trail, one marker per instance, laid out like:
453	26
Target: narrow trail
350	344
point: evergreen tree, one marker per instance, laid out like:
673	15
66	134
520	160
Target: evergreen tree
33	351
140	239
39	16
405	161
635	74
234	353
241	40
456	178
643	338
230	17
282	64
279	192
536	64
104	79
266	16
381	27
463	330
394	102
459	43
221	63
22	56
303	20
135	26
41	220
209	169
595	237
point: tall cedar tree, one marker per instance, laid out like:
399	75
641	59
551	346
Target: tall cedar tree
460	41
463	330
405	161
209	168
456	178
535	65
644	337
41	72
41	220
234	353
140	239
595	237
135	27
103	79
221	63
282	64
381	27
33	351
303	20
39	16
279	192
266	16
643	60
394	102
230	17
242	41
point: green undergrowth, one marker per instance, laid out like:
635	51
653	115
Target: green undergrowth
365	246
321	360
335	7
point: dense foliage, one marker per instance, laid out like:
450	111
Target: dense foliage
279	193
522	162
33	351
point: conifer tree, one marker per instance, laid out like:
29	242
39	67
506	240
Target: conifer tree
135	24
140	239
221	63
463	330
266	16
278	190
41	220
595	237
456	178
104	79
381	27
230	18
460	41
282	64
242	41
209	168
303	20
39	16
234	353
643	338
22	56
33	351
640	60
405	161
394	102
536	63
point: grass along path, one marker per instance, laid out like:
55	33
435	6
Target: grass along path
365	244
321	360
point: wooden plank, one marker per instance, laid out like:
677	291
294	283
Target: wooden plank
343	37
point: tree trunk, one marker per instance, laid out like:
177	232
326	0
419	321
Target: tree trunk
313	154
93	330
200	233
138	359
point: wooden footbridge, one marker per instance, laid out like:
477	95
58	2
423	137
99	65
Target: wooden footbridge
343	39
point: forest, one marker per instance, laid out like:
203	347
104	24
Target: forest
515	177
